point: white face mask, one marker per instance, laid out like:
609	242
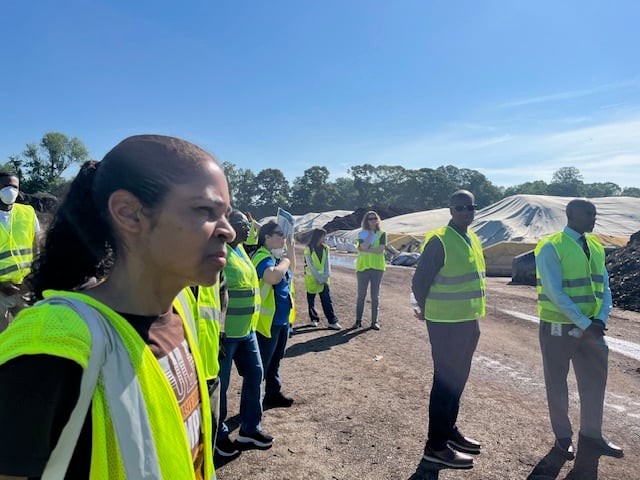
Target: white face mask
277	252
8	195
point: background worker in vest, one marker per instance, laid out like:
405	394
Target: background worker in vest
18	244
275	266
317	273
449	286
251	243
241	344
147	221
574	301
370	266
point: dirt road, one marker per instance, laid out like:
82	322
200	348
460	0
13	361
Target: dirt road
362	395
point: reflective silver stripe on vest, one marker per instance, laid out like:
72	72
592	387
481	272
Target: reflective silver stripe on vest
125	401
597	278
455	295
15	253
186	308
576	282
128	411
576	298
241	310
14	268
467	277
209	313
241	293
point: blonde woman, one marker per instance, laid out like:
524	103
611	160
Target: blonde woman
370	265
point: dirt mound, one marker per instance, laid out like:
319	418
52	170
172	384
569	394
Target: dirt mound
354	220
623	266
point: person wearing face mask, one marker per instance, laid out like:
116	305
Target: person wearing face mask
18	242
275	266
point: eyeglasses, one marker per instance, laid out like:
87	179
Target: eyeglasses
242	223
372	218
468	208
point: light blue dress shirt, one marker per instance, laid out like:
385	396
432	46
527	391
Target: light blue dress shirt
550	270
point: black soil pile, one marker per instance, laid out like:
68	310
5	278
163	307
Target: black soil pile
623	266
354	220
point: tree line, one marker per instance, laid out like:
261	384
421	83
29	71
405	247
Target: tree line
41	166
393	186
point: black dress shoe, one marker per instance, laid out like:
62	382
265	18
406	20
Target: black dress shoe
565	447
448	457
463	444
601	445
278	400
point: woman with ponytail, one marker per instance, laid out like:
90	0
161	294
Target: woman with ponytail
104	379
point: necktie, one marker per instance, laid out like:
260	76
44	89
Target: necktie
583	242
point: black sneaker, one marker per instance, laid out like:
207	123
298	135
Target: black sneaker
226	448
277	400
258	439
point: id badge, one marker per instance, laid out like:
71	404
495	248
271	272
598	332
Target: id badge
556	330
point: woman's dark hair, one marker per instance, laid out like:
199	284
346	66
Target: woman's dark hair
314	241
81	242
266	229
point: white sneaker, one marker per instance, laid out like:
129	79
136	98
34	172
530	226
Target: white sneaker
334	326
314	323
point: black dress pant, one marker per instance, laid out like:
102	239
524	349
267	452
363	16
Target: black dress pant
452	349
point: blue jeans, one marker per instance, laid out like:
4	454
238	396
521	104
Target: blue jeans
364	278
327	305
247	358
272	351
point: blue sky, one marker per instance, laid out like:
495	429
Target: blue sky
515	89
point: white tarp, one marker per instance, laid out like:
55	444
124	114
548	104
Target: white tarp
519	218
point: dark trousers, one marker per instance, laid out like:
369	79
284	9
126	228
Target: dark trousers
590	359
327	305
272	351
452	349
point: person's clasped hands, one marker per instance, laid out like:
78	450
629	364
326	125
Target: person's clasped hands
595	330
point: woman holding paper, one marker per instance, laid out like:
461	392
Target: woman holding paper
275	266
370	265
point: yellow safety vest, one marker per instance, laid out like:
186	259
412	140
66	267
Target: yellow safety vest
208	314
268	298
582	279
16	244
243	286
371	261
53	329
458	291
310	282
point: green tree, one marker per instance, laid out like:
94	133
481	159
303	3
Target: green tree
312	192
601	189
345	194
44	163
566	182
272	191
537	187
365	185
241	186
631	192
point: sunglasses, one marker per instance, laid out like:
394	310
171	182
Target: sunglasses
372	218
242	223
280	233
462	208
